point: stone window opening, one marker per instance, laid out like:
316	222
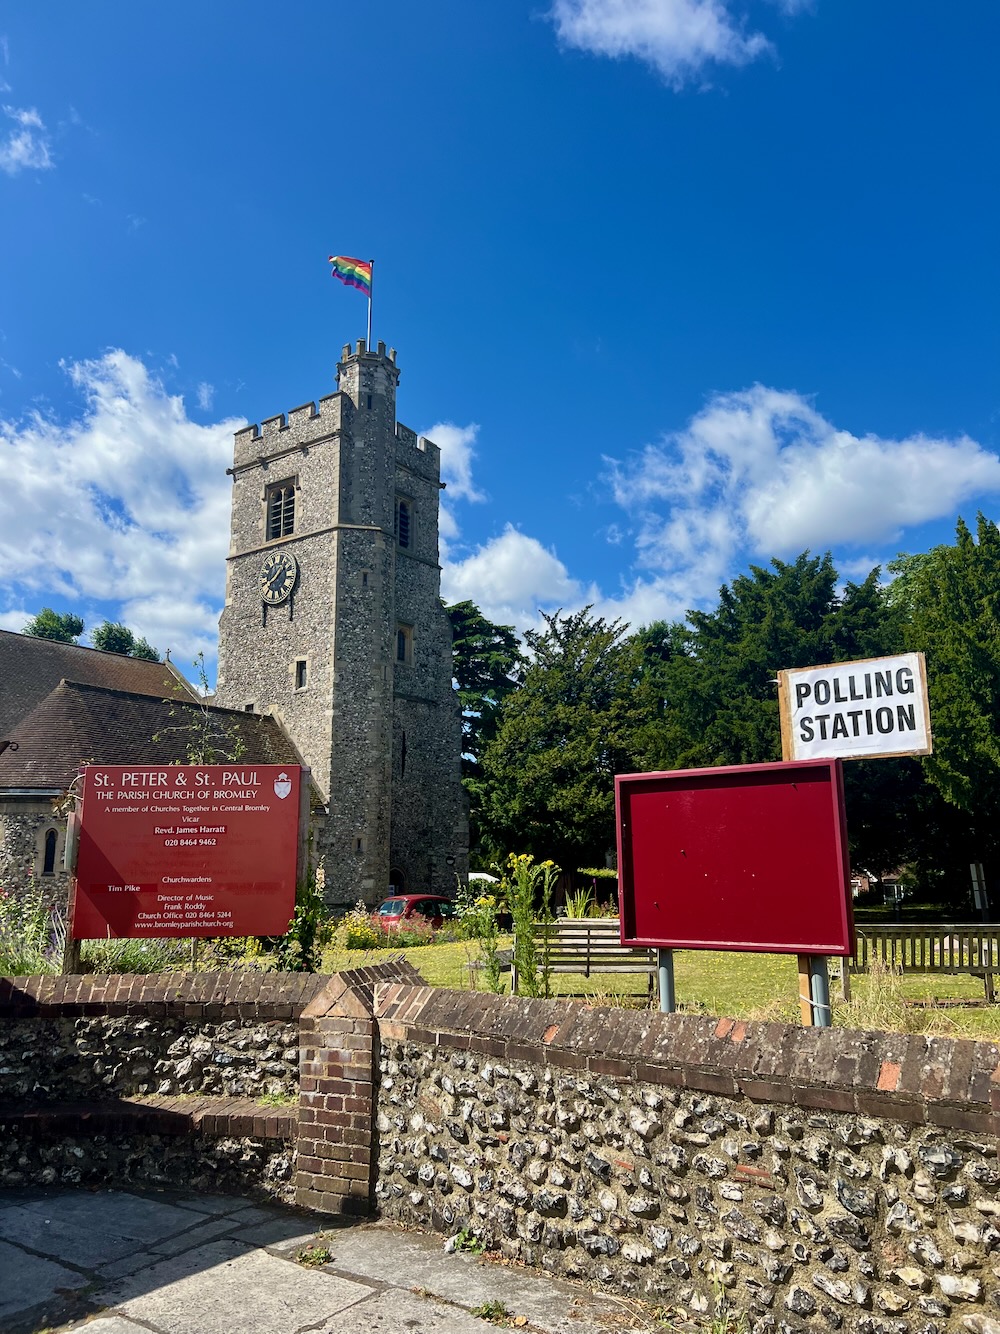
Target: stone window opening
369	400
404	643
249	708
404	523
280	503
301	673
402	756
49	855
359	844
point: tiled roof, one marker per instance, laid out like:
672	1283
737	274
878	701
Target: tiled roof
30	668
77	723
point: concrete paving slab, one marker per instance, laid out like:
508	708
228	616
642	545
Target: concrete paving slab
415	1260
222	1287
56	1236
209	1204
283	1235
141	1217
397	1311
28	1281
213	1226
113	1324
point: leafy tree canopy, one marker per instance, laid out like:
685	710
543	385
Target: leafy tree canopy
49	624
581	715
487	664
949	599
113	637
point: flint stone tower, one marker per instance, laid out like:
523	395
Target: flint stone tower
333	623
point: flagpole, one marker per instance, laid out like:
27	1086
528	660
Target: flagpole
370	287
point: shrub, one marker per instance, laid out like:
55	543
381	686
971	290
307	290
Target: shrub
28	934
357	931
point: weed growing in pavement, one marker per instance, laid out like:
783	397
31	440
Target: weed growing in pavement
313	1257
495	1311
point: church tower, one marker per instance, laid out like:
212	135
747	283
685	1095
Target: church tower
333	623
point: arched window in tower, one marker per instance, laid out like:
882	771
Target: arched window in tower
280	500
404	522
49	857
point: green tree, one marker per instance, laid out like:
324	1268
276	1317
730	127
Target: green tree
49	624
722	692
950	601
578	718
721	680
113	637
487	664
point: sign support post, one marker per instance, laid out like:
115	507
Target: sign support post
814	991
665	973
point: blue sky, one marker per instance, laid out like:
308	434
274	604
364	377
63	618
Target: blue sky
676	284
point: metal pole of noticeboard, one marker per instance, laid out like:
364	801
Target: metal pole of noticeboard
665	973
814	991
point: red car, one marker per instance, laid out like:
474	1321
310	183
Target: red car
401	908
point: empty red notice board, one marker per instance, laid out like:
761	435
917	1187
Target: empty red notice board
747	858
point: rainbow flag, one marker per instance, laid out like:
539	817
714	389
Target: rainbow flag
354	272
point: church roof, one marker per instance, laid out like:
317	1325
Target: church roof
30	668
79	723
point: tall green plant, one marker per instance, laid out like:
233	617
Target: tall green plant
478	915
529	887
300	948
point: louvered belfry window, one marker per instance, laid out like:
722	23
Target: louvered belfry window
280	510
403	522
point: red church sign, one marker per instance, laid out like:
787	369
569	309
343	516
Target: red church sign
186	850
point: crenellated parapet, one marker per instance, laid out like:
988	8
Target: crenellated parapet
417	454
300	426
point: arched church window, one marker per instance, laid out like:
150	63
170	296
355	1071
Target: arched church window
280	510
49	857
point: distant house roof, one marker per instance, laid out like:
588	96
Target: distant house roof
31	668
77	723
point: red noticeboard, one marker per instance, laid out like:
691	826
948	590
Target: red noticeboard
186	850
748	858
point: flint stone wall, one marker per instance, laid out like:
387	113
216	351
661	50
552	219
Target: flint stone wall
819	1179
257	1166
55	1059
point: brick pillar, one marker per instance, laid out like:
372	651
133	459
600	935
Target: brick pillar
338	1040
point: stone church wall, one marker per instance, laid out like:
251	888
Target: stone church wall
23	828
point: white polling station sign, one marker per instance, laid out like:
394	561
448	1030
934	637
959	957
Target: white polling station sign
855	710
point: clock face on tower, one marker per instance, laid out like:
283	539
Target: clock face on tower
277	577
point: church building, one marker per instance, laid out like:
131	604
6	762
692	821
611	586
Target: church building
333	624
334	651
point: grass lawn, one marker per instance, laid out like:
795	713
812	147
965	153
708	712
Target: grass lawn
744	986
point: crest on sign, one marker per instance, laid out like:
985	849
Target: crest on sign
282	786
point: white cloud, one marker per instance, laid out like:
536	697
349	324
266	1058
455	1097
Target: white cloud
26	147
677	37
763	471
511	577
457	445
127	504
206	392
14	620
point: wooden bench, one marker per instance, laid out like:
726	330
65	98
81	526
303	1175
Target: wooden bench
972	948
586	945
